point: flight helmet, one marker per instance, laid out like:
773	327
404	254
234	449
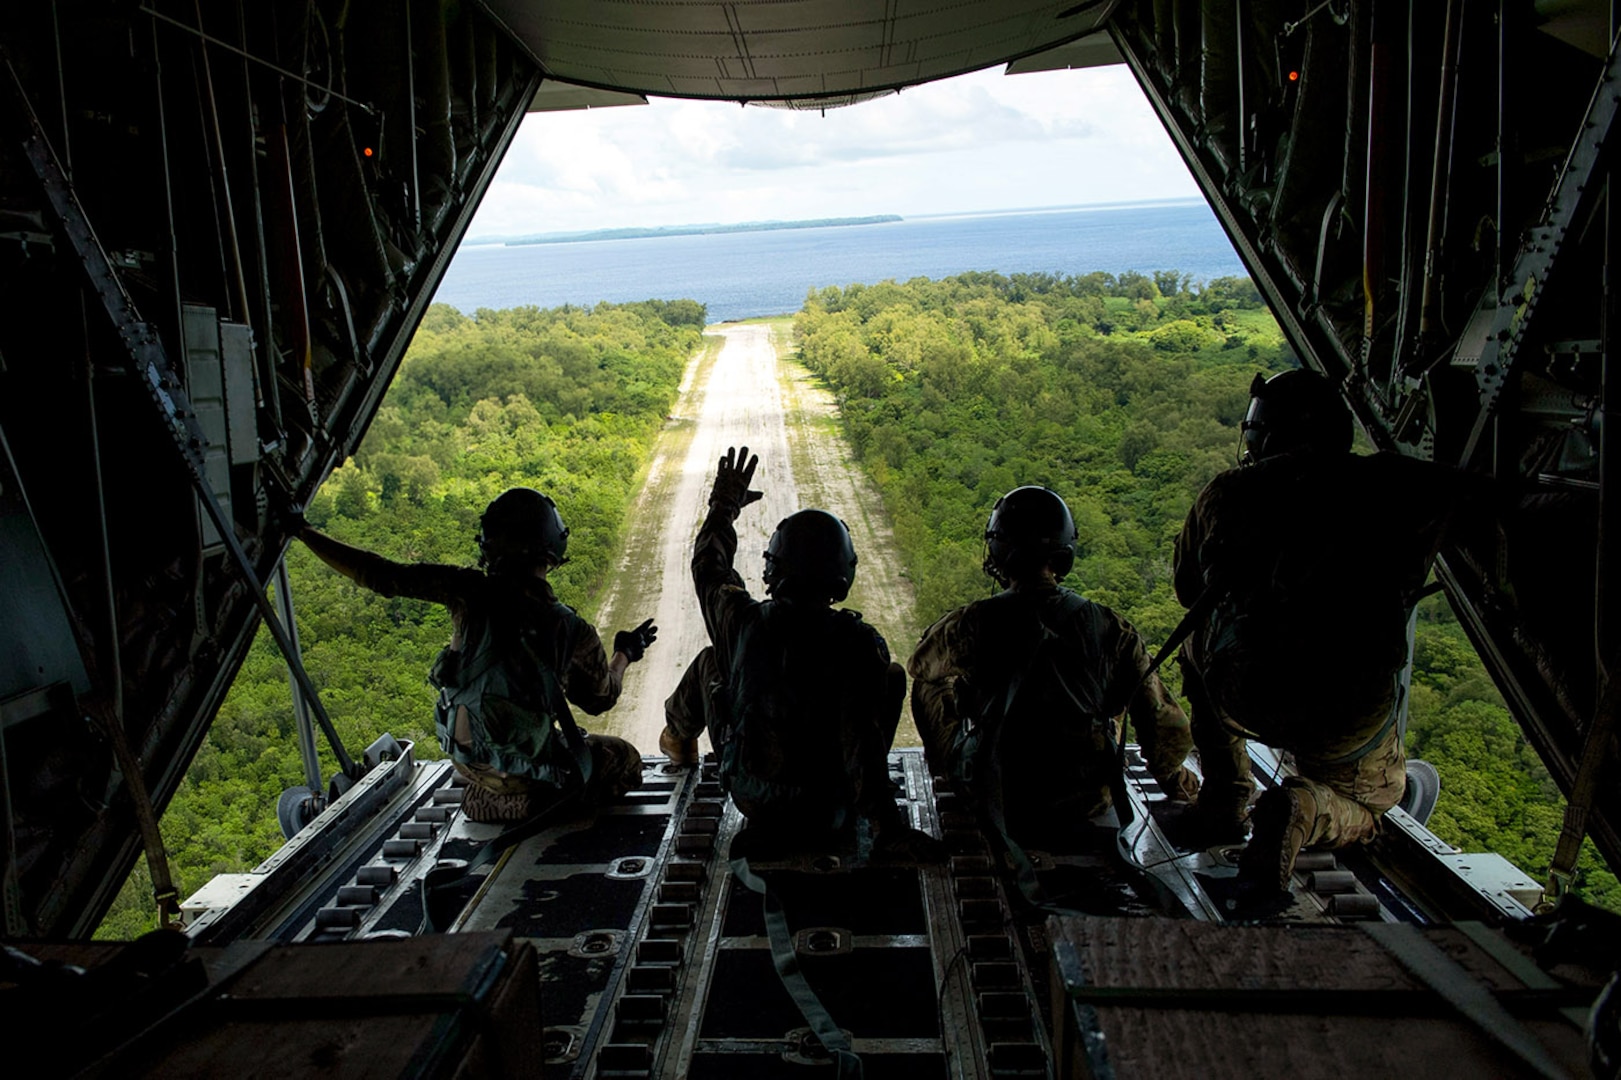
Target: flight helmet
1030	527
1292	410
521	528
810	556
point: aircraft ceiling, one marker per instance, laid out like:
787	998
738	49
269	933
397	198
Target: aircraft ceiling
784	50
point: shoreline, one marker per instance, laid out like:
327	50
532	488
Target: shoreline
655	232
651	232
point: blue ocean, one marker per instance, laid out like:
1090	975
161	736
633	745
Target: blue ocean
741	275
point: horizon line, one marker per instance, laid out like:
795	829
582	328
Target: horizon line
501	239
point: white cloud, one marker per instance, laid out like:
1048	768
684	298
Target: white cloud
982	141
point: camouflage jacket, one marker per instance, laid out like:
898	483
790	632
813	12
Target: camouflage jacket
1317	559
970	655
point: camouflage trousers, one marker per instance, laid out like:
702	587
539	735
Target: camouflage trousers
1351	796
492	796
686	710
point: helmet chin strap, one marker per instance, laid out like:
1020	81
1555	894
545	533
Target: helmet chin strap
988	565
1248	453
1251	451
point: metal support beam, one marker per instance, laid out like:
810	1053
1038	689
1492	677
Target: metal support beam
1607	620
12	918
1526	693
1499	331
150	364
301	708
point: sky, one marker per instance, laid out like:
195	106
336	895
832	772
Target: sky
982	141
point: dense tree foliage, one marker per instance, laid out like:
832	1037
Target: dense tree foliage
567	400
1124	394
953	392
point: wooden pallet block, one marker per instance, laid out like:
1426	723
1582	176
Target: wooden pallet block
1157	997
446	1005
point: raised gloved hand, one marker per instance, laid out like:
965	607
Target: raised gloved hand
633	643
733	478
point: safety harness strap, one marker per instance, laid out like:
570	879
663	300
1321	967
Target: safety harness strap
1595	748
1024	870
1190	619
1474	1002
786	961
442	882
164	893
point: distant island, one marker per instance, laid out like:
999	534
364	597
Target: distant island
639	233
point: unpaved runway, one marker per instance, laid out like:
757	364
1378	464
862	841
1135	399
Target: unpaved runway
739	398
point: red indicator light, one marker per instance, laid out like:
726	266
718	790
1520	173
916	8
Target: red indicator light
367	151
1294	76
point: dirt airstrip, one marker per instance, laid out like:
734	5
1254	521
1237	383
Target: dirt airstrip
742	394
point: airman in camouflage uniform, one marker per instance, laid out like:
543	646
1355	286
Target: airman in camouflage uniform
1059	772
521	538
1312	558
801	699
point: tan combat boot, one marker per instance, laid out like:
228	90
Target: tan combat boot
1282	819
680	751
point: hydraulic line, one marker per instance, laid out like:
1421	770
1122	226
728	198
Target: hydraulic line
277	68
1439	176
239	279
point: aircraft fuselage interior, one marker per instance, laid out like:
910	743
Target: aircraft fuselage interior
222	221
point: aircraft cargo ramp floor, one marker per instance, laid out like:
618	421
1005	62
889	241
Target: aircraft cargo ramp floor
653	959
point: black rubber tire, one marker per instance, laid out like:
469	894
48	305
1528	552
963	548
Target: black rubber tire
1423	788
